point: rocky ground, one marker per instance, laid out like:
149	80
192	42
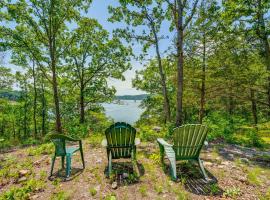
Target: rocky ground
237	173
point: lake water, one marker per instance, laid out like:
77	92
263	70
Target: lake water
127	111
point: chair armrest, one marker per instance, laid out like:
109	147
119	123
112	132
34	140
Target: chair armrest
104	143
137	141
163	142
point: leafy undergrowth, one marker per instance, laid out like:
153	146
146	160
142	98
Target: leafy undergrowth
24	175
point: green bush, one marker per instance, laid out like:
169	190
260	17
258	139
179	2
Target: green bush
148	134
222	125
23	192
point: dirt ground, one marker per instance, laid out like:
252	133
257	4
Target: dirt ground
234	176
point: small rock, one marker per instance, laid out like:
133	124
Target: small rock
226	163
220	166
99	161
244	160
231	156
208	164
34	197
114	185
22	179
125	175
24	172
157	129
242	179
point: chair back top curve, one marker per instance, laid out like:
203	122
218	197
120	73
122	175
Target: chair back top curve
188	140
120	139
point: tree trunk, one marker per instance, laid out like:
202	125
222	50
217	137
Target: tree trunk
56	101
35	100
52	50
167	109
180	64
263	35
254	107
202	103
25	112
82	112
43	110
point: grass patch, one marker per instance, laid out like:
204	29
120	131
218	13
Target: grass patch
23	192
232	192
61	195
43	149
143	190
253	176
93	191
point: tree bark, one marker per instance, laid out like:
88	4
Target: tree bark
263	35
52	50
82	111
180	64
25	111
35	100
254	107
43	109
167	109
202	102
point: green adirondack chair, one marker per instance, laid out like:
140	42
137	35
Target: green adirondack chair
120	143
61	150
188	141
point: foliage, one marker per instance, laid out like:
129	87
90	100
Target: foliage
232	192
23	192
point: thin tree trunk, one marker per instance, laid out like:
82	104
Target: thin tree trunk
180	64
202	103
35	100
82	111
56	102
263	35
25	112
52	49
167	109
43	109
254	107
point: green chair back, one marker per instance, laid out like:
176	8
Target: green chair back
188	140
120	139
60	147
59	141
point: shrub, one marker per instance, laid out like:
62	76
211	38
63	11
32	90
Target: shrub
220	125
24	191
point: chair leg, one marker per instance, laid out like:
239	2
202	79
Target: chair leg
171	156
173	168
109	163
52	165
203	170
82	158
162	154
63	162
134	162
68	167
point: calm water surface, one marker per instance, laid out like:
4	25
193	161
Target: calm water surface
127	111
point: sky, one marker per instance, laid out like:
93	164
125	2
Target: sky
99	11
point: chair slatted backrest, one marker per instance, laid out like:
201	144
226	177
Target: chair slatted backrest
120	138
188	140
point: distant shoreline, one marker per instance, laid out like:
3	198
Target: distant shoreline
131	97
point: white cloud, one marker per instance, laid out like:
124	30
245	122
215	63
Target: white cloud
125	87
